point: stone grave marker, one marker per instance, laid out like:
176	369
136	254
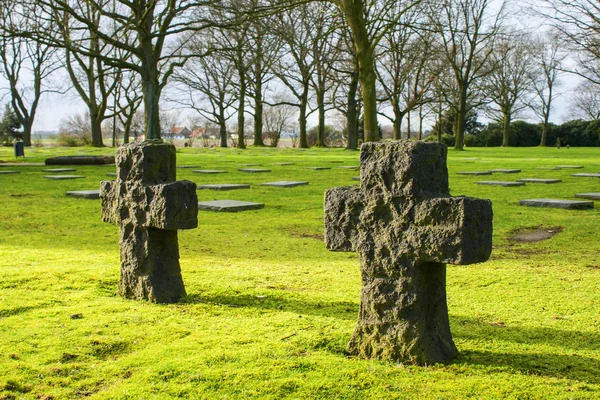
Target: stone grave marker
9	172
501	183
111	174
224	186
348	167
474	173
63	177
317	168
56	170
149	206
591	196
250	165
586	175
558	203
539	180
286	184
284	163
505	171
229	205
356	178
84	194
188	166
80	160
406	227
254	170
209	171
569	166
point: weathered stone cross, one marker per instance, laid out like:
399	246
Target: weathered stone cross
149	207
405	227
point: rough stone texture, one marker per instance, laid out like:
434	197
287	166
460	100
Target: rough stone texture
474	173
591	196
224	186
63	177
558	203
59	170
85	194
254	170
405	227
586	175
501	183
80	160
149	206
539	180
286	184
505	171
229	205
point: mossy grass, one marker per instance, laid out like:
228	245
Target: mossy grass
269	309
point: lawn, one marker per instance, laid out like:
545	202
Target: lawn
269	309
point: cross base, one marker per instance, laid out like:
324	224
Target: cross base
404	317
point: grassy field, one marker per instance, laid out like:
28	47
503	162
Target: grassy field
269	310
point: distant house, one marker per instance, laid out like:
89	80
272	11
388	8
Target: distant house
198	133
179	132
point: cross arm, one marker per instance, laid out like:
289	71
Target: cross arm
110	204
454	230
343	206
172	205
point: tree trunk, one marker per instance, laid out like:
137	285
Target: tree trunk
420	137
223	131
258	115
352	111
544	133
302	118
408	125
505	128
398	116
354	11
241	110
440	119
321	140
27	125
151	93
460	120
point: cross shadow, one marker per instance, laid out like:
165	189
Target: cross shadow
341	310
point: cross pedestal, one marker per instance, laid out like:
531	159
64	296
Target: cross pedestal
149	206
405	227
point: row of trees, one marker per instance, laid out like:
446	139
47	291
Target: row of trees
366	59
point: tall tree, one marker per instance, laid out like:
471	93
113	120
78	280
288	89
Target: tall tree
585	101
509	84
466	30
27	65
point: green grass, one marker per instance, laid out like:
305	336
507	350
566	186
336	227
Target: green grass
269	310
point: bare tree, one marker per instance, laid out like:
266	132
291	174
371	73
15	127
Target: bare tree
585	101
466	30
127	101
509	84
546	80
28	67
277	120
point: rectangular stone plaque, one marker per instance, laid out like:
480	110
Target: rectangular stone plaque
284	183
558	203
59	170
505	171
209	171
224	186
569	166
474	173
188	166
254	170
62	177
586	175
9	172
317	168
111	174
539	180
349	167
85	194
591	196
228	205
501	183
284	163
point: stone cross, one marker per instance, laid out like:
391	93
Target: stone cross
149	207
405	227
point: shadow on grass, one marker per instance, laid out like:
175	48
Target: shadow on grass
340	310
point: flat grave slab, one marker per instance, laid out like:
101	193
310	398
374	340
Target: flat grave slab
228	205
569	166
63	177
224	186
558	203
254	170
539	180
356	178
474	173
548	168
111	174
348	166
501	183
80	160
586	175
9	172
85	194
21	164
317	168
286	184
284	163
209	171
59	170
336	161
505	171
250	165
591	196
469	159
188	166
